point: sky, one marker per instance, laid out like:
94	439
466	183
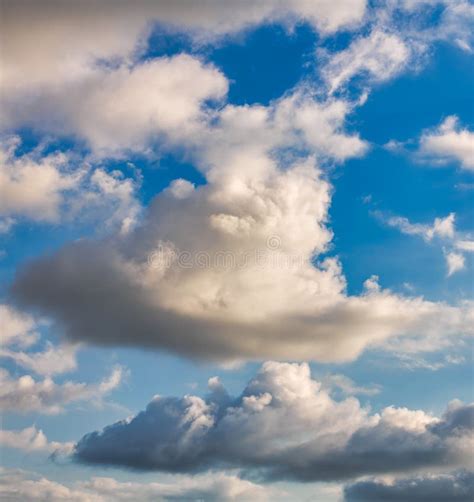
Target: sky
236	250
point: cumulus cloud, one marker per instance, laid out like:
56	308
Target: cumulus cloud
26	395
32	439
34	187
55	187
228	272
121	108
457	486
17	485
447	143
324	439
59	41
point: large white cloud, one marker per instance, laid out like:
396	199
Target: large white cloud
57	40
120	108
17	485
232	269
324	439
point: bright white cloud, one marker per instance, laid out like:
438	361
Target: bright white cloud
180	292
449	142
17	485
25	394
324	439
115	109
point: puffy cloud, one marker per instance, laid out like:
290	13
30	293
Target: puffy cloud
25	394
121	108
379	56
457	486
32	439
227	273
346	386
448	142
34	187
53	187
324	439
60	40
16	485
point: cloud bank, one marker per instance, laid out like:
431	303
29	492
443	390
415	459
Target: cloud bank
324	439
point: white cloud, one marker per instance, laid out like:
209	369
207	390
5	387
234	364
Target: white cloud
53	360
58	42
265	209
17	328
53	188
455	262
34	187
443	228
32	439
448	142
379	56
17	485
25	394
348	387
115	109
324	439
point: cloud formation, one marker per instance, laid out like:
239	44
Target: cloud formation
17	485
457	487
27	395
449	142
324	439
32	439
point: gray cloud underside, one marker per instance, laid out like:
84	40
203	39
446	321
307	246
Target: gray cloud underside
322	440
456	487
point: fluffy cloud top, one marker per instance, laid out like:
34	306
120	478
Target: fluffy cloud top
59	40
16	485
120	108
324	439
458	487
230	270
449	142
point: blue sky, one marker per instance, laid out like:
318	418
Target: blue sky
375	102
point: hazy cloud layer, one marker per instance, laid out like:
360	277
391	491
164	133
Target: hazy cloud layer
324	439
17	485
